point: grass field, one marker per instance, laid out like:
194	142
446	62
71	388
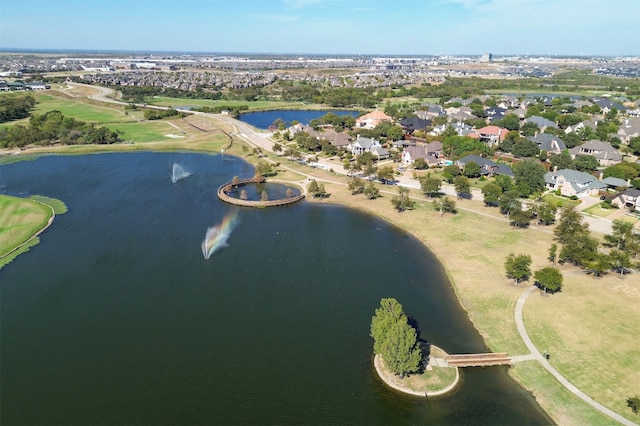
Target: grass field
557	201
148	131
20	219
82	111
597	210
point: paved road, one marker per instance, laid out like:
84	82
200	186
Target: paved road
535	354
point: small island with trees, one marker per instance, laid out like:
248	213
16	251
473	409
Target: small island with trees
404	362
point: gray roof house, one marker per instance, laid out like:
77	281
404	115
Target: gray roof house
487	167
542	122
429	153
630	128
629	198
614	182
572	182
602	151
361	145
548	142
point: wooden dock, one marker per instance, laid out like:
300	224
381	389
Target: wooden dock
478	360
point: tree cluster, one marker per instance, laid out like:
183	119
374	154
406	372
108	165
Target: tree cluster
54	127
14	107
159	114
394	339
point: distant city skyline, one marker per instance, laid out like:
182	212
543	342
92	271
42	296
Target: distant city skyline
373	27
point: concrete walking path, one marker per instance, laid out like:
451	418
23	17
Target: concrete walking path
535	354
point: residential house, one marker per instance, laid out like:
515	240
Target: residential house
629	199
430	153
491	135
461	129
372	119
411	124
602	151
614	182
4	87
296	128
572	182
521	113
361	145
630	128
541	122
431	111
459	114
593	125
339	140
37	85
487	167
548	142
495	113
607	105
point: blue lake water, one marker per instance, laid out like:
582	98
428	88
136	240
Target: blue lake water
117	318
264	119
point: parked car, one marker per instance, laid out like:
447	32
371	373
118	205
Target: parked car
465	195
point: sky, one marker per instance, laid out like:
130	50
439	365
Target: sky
371	27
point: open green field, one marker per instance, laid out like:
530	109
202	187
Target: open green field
149	131
20	219
79	110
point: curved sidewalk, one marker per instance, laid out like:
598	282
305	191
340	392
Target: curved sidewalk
538	356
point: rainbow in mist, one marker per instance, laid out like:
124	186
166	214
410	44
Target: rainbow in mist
217	236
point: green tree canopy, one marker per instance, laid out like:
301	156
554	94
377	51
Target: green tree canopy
394	338
518	267
529	177
549	279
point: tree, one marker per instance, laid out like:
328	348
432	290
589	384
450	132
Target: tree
548	278
620	261
385	173
445	205
509	202
510	122
402	201
371	191
569	225
561	161
586	163
545	213
264	196
598	264
264	169
471	169
450	172
519	217
525	148
518	268
394	339
430	185
529	177
553	253
622	232
356	186
491	193
462	185
633	402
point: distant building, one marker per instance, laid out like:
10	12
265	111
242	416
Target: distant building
486	57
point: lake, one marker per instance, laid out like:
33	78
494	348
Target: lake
117	318
264	119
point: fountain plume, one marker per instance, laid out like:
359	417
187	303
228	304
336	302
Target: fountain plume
178	172
217	236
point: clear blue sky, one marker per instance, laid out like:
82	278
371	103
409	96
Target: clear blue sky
403	27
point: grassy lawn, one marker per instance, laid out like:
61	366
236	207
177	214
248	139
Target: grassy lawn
79	110
148	131
557	201
592	338
597	210
20	219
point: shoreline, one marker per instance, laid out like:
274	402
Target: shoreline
378	363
